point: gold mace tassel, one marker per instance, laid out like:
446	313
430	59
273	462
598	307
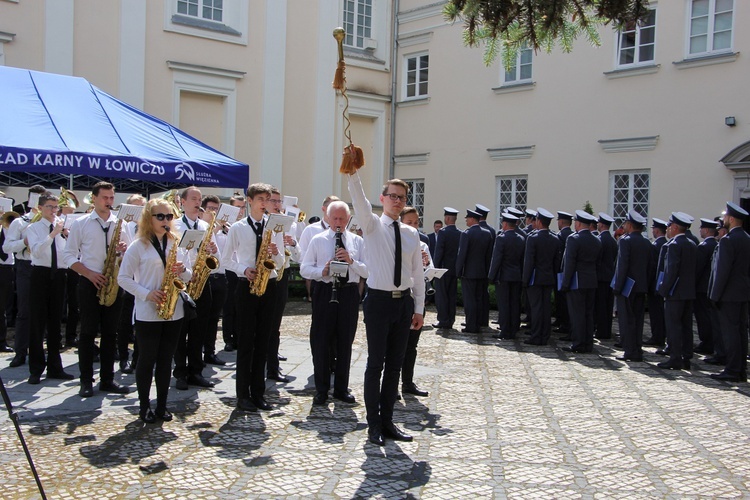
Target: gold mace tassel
352	160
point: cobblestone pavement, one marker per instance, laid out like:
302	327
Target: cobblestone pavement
502	421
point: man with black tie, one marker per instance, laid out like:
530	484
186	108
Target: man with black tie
540	263
472	265
677	286
729	287
335	301
432	237
579	282
446	252
634	256
656	301
394	276
702	305
505	271
605	271
564	221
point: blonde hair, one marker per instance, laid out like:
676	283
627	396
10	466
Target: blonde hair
145	228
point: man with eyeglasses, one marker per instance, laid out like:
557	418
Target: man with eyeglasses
393	256
85	253
46	244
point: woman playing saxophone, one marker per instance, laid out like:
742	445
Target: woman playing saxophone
141	274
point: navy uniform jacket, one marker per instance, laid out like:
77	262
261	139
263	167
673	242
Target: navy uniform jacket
634	258
679	270
541	258
703	264
447	249
491	229
474	253
581	255
507	257
563	236
431	239
423	238
730	272
692	237
605	268
656	263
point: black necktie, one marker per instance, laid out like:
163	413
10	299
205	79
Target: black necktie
258	237
3	255
397	267
53	249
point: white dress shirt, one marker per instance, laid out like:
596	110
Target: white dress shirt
380	248
14	238
320	251
241	242
308	234
142	271
86	241
10	259
40	243
179	226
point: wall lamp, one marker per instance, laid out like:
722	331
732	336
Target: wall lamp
729	121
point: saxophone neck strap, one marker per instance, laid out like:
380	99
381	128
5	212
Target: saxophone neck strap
161	248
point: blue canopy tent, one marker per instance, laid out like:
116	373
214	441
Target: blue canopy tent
64	125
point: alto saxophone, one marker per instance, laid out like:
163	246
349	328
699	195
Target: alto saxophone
204	264
171	285
263	267
108	293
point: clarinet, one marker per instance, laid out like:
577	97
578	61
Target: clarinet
335	288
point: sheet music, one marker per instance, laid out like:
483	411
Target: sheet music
191	239
129	213
290	201
292	212
70	219
6	204
280	223
33	200
227	214
353	225
434	273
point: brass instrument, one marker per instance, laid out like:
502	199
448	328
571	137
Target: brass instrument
263	266
67	199
108	293
302	217
280	274
171	197
171	285
204	263
8	217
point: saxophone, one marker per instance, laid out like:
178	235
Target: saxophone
108	293
171	285
204	264
263	267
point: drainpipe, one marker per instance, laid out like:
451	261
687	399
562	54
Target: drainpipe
394	81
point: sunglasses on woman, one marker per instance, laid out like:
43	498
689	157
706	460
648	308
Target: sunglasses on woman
161	217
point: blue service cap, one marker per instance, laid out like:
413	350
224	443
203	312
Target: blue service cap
472	214
585	217
658	223
636	218
544	214
681	219
514	211
481	210
509	217
531	213
605	219
564	215
736	211
709	223
450	211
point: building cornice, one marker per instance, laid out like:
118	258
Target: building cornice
629	144
696	62
632	71
368	96
411	159
425	12
514	153
415	38
206	70
6	37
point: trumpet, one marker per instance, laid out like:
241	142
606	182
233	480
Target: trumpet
302	217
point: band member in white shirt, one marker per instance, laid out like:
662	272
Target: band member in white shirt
217	282
6	281
313	229
228	328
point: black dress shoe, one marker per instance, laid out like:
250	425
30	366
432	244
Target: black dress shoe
17	360
670	365
573	349
245	404
281	358
181	384
71	343
61	375
629	358
439	326
163	415
662	352
566	338
87	390
126	367
278	377
413	389
391	431
34	379
617	345
532	342
113	387
5	348
653	343
262	404
320	398
561	330
376	438
728	377
212	359
686	364
703	349
147	416
199	380
715	361
345	397
466	330
230	346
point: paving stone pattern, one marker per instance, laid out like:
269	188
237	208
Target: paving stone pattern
503	420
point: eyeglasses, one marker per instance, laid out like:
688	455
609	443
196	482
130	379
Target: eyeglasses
274	201
53	207
395	197
161	217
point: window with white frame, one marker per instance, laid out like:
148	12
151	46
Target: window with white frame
520	72
417	73
636	41
512	191
221	20
629	190
710	26
357	22
415	198
204	9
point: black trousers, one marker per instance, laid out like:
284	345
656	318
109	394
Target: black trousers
679	320
125	326
410	356
604	303
561	310
734	322
6	289
282	295
656	316
228	330
218	284
188	357
446	289
508	307
47	288
702	312
333	323
158	341
472	294
630	312
23	298
387	322
254	322
95	319
581	314
718	338
71	296
484	317
540	303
